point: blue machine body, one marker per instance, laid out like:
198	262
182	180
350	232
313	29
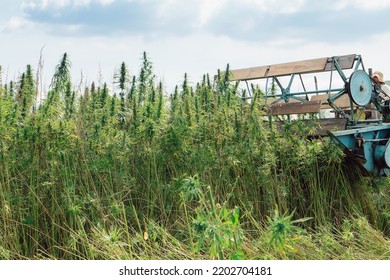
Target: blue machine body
367	146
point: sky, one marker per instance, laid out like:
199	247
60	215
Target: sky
191	36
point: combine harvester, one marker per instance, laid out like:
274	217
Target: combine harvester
361	122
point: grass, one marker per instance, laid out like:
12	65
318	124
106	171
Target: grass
196	174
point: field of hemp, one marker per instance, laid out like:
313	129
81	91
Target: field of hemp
130	171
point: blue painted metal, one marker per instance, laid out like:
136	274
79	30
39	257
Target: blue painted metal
387	154
368	146
335	64
360	87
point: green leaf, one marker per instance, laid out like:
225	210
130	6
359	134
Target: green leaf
28	220
237	255
235	217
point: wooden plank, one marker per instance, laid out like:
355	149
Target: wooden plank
279	69
270	100
332	124
342	102
284	69
304	66
295	108
345	62
323	98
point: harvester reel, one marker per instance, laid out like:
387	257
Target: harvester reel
360	88
365	138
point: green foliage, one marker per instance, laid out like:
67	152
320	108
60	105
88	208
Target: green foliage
26	91
283	233
219	233
215	228
104	175
122	78
62	76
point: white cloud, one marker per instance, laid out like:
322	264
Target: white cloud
193	36
82	2
362	4
16	23
44	4
165	9
29	5
209	8
59	4
276	6
106	2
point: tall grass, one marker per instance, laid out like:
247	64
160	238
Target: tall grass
141	174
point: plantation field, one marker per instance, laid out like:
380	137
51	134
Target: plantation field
131	171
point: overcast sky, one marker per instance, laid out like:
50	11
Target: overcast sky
188	36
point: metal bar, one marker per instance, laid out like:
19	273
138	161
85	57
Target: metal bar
291	81
330	80
249	91
335	107
379	121
284	91
352	115
298	98
359	61
320	91
339	69
293	95
375	140
310	92
337	95
362	130
303	85
279	84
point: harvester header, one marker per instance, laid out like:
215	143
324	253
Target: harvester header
361	122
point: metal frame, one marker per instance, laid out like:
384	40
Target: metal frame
366	142
286	93
335	65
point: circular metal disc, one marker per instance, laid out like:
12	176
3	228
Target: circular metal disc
360	87
387	156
